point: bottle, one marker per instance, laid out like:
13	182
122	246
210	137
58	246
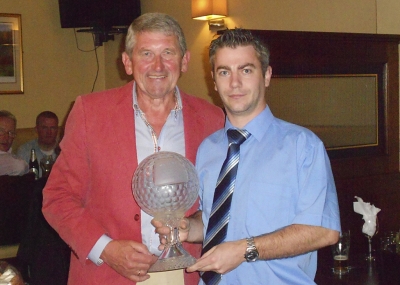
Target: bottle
33	164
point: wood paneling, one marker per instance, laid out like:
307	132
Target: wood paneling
372	173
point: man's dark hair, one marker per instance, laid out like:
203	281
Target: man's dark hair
46	114
240	37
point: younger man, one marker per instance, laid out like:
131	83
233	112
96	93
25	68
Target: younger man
281	205
46	142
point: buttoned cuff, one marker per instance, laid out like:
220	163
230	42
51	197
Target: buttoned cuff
94	254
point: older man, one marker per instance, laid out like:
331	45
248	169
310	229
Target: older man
88	198
9	163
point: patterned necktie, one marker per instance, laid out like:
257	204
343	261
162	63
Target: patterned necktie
219	217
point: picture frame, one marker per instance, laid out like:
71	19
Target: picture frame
11	67
312	101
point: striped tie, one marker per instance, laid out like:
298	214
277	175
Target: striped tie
219	217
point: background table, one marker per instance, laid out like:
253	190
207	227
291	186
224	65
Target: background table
385	270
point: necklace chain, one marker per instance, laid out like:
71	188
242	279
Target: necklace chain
157	148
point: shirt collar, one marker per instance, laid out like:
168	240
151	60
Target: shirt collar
256	127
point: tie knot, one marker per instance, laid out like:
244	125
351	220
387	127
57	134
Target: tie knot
237	136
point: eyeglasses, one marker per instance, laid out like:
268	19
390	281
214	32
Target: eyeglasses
10	133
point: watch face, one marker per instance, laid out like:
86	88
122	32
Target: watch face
251	255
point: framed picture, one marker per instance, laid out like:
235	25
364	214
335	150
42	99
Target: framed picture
11	72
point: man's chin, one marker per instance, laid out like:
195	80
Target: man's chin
48	143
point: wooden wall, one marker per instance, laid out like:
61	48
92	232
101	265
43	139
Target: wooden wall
370	172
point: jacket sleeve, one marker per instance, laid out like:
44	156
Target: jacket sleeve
64	196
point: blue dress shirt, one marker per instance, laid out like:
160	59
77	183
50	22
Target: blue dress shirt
284	178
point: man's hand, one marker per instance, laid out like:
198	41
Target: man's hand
130	259
221	258
165	231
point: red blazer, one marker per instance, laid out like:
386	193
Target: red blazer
89	192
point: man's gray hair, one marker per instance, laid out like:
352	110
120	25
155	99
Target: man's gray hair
154	22
7	114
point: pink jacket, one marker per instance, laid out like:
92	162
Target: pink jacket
89	191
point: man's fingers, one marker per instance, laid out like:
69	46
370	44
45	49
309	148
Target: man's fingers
184	225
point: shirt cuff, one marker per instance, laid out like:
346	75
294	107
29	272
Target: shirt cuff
94	254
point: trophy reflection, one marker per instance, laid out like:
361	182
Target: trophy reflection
165	185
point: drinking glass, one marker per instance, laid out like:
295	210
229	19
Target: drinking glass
340	252
388	242
370	257
46	163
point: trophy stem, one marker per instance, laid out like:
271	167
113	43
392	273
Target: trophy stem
174	256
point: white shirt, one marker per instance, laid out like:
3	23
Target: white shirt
171	138
10	164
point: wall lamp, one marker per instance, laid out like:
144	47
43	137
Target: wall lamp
212	11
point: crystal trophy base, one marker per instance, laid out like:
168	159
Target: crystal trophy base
173	257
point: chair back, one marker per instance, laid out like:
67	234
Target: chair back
15	194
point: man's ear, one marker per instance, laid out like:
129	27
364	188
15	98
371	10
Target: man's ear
126	60
268	75
185	61
215	85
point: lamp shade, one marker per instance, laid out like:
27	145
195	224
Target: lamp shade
209	9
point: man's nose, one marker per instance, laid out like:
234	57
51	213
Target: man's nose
235	80
158	62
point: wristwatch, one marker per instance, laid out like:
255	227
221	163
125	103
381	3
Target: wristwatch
251	250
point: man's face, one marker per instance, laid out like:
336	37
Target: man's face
156	63
47	131
7	125
240	82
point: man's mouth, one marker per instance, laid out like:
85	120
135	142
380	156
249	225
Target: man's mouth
5	145
235	96
157	76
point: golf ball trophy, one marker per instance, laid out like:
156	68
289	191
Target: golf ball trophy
165	185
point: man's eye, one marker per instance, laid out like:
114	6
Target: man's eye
168	54
223	72
246	71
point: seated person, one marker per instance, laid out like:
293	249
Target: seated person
46	142
9	163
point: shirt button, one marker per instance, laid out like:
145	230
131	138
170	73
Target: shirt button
137	217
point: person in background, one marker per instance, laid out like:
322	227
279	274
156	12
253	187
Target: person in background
9	163
283	205
88	197
46	143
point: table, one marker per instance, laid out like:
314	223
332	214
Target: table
385	270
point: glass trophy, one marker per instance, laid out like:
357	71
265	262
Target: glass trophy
165	185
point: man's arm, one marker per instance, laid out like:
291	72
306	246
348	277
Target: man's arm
287	242
65	204
294	240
